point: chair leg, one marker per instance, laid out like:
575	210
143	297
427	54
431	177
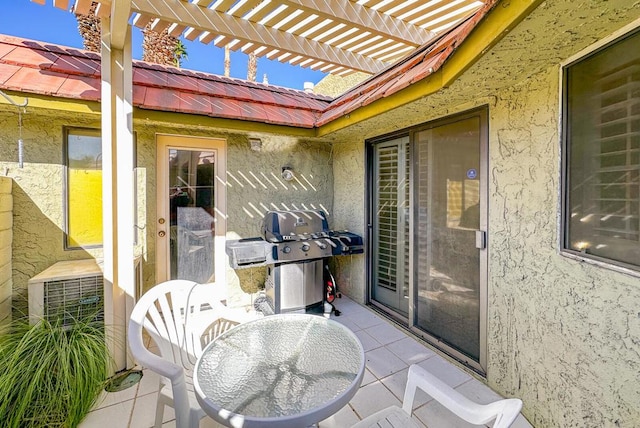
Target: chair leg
194	419
159	412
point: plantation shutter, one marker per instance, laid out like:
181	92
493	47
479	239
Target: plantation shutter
391	225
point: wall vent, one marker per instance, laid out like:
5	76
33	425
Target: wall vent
70	290
67	291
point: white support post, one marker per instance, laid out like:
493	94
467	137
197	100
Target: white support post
117	189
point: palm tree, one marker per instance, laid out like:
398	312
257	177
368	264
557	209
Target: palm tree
227	61
252	67
179	54
159	48
89	29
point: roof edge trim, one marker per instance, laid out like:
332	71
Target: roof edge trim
504	16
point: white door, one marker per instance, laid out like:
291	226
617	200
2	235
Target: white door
191	205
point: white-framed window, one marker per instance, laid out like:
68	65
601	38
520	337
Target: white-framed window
83	188
601	153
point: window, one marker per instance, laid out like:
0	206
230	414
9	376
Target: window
602	154
83	158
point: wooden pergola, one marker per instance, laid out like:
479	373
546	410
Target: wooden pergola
333	36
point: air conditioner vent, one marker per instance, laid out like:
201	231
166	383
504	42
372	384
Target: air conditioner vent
73	299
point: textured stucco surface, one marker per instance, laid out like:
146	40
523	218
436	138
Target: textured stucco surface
349	206
563	334
38	221
253	186
6	240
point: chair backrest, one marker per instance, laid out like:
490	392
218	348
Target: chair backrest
504	411
181	317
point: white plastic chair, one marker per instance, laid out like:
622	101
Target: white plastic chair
181	317
504	411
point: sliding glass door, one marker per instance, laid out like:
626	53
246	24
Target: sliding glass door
428	236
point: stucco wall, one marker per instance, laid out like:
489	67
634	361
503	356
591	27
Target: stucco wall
563	334
349	206
253	186
6	240
38	221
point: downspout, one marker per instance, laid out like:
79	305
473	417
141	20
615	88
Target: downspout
21	108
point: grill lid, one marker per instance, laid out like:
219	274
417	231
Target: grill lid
280	226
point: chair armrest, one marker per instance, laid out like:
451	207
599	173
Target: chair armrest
506	410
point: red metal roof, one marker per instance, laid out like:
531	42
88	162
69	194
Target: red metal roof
41	68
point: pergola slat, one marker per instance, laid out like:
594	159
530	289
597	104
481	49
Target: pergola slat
293	18
343	11
61	4
442	8
264	11
224	6
245	8
82	7
336	36
208	19
141	20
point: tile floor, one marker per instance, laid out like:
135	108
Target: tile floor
389	352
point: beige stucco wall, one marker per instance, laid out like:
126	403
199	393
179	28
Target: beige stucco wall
253	186
563	334
349	203
38	221
6	240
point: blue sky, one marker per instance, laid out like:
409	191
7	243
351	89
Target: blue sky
24	18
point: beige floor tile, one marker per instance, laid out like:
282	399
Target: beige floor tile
445	371
410	350
144	411
367	378
344	418
397	383
434	415
367	341
382	362
114	416
386	333
366	318
371	398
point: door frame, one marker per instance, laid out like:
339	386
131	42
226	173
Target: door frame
164	142
482	112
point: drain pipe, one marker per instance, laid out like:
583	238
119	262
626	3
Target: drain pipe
20	108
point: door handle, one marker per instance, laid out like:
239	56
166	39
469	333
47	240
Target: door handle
481	239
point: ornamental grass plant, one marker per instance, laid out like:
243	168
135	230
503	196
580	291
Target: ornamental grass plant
51	375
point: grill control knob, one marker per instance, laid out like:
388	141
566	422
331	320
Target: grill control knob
305	247
286	249
322	245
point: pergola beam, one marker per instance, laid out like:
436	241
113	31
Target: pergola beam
120	12
204	19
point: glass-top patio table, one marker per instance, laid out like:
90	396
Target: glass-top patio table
287	370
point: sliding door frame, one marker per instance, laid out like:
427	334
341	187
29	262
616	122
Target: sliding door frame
410	321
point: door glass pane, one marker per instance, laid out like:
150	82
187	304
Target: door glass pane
191	214
448	263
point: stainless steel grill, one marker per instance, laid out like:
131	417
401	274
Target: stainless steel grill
295	247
